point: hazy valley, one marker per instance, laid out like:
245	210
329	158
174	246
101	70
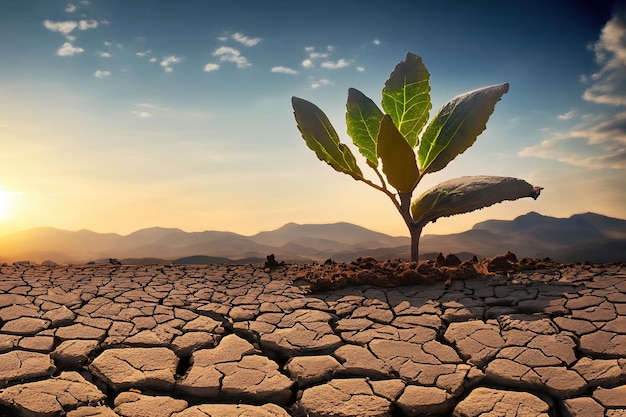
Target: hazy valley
580	237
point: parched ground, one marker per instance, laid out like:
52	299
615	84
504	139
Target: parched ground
500	337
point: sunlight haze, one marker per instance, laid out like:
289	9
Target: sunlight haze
122	115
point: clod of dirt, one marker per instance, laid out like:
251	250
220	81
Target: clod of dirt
392	273
272	262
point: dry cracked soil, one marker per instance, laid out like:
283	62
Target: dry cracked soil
498	337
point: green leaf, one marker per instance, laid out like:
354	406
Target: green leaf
399	164
465	194
406	97
456	126
321	137
363	120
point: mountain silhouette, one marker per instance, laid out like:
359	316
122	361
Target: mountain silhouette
581	237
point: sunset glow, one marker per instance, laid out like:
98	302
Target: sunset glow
121	115
7	200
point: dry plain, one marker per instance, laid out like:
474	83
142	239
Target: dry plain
218	340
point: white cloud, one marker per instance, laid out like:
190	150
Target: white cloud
87	24
608	85
68	50
70	8
360	69
102	74
243	39
320	83
143	54
103	54
168	61
153	60
152	107
211	67
598	145
142	114
147	110
228	54
63	27
313	55
376	42
66	28
596	142
222	38
342	63
285	70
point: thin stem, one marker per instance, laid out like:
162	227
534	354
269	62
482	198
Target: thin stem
404	208
384	190
380	177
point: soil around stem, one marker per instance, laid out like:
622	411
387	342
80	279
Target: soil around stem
392	273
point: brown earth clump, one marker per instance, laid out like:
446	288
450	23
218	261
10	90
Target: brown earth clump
368	271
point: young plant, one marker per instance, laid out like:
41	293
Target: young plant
391	137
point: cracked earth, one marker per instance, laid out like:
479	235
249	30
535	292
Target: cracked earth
198	341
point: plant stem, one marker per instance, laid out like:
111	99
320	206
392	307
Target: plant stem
404	207
415	229
416	232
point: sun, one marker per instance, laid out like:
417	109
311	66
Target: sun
6	202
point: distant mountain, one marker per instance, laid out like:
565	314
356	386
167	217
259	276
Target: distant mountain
580	237
342	233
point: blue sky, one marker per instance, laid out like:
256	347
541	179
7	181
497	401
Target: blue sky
120	115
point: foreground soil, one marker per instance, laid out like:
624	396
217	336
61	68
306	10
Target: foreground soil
501	336
368	271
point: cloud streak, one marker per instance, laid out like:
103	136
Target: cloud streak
284	70
102	74
142	114
245	40
68	26
148	110
608	85
342	63
599	144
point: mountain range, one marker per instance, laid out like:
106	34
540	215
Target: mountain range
581	237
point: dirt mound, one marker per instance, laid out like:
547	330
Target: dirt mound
368	271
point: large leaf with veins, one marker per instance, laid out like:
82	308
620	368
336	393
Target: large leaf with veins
465	194
406	97
321	137
363	121
456	126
